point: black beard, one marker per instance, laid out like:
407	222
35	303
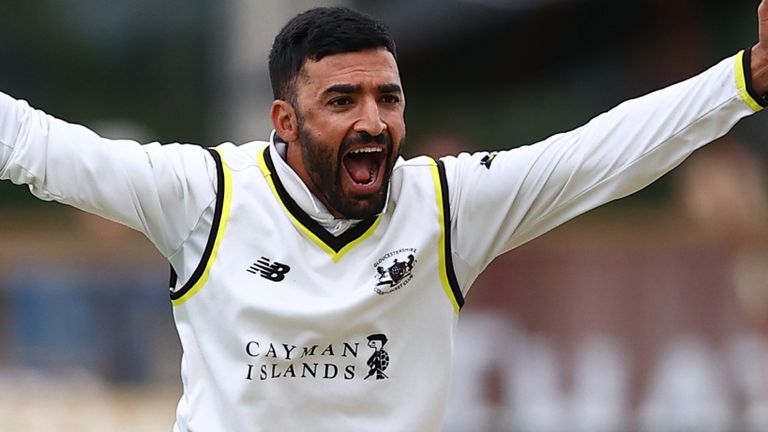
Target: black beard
325	170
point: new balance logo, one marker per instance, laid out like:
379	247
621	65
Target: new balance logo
273	271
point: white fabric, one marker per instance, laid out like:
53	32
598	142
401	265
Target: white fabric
531	189
245	336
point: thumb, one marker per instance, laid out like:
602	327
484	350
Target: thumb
759	63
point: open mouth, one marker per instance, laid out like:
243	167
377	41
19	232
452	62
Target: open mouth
365	166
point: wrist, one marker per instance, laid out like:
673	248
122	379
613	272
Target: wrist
759	69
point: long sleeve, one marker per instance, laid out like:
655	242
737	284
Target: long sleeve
500	201
160	191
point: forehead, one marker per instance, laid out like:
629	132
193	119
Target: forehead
370	67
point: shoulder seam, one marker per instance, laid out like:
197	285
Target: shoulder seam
453	287
212	202
218	224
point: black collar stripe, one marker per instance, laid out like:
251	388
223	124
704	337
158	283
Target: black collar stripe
334	242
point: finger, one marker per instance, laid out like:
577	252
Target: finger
762	21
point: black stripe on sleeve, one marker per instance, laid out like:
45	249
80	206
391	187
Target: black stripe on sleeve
173	279
198	273
451	273
746	64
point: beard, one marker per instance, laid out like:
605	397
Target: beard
325	168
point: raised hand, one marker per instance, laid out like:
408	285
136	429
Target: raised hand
759	59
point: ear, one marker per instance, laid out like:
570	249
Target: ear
284	120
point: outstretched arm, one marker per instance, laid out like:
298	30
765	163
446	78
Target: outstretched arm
160	191
502	202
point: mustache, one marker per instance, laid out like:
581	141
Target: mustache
365	138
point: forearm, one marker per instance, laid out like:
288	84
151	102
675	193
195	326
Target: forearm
11	123
627	148
529	190
759	69
62	162
143	187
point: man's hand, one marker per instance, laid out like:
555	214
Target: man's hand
759	58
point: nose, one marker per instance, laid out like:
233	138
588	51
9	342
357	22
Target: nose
370	120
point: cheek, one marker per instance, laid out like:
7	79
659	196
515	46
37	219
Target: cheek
323	155
397	133
328	133
395	123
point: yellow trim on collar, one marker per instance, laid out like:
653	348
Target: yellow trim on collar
335	256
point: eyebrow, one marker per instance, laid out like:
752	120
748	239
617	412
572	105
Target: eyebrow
343	88
352	88
390	88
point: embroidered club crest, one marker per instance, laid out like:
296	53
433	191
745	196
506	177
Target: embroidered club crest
394	270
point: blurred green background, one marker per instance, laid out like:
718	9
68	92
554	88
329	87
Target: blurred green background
495	74
648	314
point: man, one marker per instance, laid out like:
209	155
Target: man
279	248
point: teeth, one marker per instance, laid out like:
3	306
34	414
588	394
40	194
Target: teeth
367	150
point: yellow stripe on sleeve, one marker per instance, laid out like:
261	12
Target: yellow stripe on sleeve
741	82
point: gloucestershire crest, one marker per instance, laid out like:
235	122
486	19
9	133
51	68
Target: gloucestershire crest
394	270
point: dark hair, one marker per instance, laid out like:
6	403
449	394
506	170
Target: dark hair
318	33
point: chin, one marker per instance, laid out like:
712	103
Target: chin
362	208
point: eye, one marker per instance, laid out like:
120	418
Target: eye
390	99
340	101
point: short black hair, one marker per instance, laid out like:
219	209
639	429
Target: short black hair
318	33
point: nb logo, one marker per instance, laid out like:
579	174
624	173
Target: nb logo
273	271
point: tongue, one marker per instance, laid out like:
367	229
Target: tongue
361	167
